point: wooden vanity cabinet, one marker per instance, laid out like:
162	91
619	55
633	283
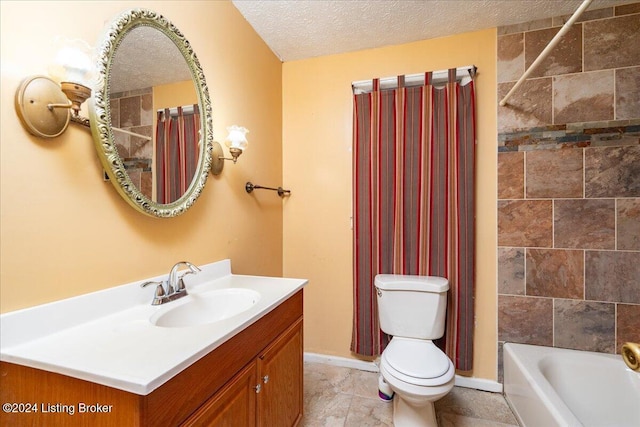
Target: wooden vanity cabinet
217	390
234	405
267	392
280	372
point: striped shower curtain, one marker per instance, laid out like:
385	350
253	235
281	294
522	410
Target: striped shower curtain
177	140
414	163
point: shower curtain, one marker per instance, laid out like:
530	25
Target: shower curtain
413	198
177	139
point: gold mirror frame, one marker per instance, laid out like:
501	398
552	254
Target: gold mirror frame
100	114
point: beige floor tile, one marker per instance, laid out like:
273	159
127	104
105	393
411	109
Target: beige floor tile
342	397
366	412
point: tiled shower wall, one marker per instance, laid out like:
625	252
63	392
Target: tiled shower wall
569	183
133	111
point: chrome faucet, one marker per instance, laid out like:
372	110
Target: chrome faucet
174	284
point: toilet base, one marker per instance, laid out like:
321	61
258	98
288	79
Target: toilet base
406	415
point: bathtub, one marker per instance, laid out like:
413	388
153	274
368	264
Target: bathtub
548	387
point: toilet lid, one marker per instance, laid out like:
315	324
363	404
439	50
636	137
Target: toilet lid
417	359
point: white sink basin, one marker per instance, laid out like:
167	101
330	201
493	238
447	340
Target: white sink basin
205	308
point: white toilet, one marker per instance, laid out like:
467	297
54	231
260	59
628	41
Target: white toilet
412	309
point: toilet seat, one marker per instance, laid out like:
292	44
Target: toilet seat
417	362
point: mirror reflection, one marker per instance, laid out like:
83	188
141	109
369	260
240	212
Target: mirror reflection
154	114
151	114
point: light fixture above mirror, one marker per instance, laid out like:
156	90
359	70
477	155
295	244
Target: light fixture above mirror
236	141
46	105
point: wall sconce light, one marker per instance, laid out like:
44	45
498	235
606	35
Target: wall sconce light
45	105
236	141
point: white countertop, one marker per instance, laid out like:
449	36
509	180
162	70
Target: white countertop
106	337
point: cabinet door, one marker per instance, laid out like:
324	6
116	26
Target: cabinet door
280	369
233	406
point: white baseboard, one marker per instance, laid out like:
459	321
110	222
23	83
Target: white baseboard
345	362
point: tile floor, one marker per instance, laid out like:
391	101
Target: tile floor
336	396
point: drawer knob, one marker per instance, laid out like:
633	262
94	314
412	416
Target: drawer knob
265	379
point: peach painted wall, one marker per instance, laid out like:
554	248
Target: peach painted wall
317	117
176	95
64	231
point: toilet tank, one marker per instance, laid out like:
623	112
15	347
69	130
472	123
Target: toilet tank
412	306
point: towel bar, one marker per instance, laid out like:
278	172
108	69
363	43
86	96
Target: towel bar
281	191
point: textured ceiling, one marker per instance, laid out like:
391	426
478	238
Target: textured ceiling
135	64
299	29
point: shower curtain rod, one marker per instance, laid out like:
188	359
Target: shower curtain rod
128	132
554	41
441	76
186	109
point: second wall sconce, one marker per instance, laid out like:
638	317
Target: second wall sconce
237	143
46	106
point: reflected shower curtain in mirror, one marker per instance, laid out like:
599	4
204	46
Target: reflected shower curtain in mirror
413	200
177	138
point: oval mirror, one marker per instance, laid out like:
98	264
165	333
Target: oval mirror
151	114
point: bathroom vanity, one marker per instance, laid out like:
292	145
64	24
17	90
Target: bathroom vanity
119	368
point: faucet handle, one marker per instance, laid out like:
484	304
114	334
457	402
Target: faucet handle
159	288
192	270
159	296
180	286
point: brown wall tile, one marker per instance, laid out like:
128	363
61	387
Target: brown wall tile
612	276
584	325
565	58
587	15
615	138
628	321
525	26
555	273
146	110
581	121
511	175
525	223
135	176
510	57
527	320
529	106
584	224
611	43
628	92
628	214
511	271
583	97
627	9
121	140
554	173
140	147
130	111
114	108
500	362
146	183
612	171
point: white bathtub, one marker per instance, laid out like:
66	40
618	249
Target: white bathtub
548	387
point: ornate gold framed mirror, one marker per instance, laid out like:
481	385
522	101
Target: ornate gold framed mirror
151	114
